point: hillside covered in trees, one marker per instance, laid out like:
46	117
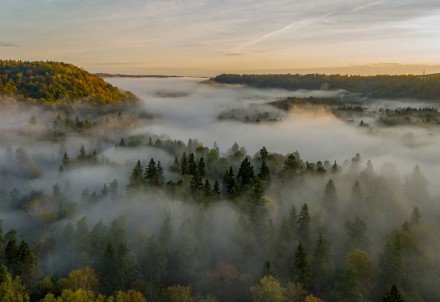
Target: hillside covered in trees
379	86
51	82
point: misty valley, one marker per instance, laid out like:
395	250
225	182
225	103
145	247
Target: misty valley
192	189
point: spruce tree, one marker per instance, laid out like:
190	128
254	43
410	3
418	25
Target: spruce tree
136	179
393	295
184	164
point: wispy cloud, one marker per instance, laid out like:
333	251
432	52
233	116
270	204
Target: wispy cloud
288	27
7	44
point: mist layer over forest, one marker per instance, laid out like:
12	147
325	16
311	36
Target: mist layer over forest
164	199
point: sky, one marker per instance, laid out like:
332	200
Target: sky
208	37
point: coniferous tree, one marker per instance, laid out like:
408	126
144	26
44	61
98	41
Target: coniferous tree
216	189
196	184
264	174
136	178
267	269
299	270
192	165
150	174
207	188
393	295
160	177
184	164
391	263
290	167
201	167
322	267
330	196
66	159
114	188
229	183
245	175
82	153
304	226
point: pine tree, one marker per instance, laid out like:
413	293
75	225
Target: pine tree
184	164
201	167
245	175
136	179
66	159
322	267
150	174
82	153
216	189
114	188
160	177
393	295
196	184
229	182
330	196
264	174
267	269
192	165
391	263
299	270
304	225
207	188
290	167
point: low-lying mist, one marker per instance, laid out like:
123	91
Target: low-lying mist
165	193
315	135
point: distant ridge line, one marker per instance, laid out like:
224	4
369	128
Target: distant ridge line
120	75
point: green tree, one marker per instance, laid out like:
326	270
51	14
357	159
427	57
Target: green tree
268	289
136	179
201	167
322	266
299	269
304	225
178	293
245	175
150	174
184	164
11	288
268	269
393	295
290	167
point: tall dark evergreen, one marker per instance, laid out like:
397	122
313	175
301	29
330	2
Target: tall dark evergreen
184	164
196	184
393	295
136	177
192	165
322	266
245	175
150	174
299	270
304	226
229	183
290	167
201	167
330	197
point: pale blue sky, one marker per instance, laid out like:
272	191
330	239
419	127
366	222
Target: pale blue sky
205	37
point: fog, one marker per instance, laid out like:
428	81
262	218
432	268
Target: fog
315	135
70	209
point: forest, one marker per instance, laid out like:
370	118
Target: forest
51	82
96	206
379	86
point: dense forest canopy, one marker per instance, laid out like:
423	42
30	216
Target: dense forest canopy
378	86
95	206
51	82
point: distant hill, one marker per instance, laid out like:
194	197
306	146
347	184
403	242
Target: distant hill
52	82
379	86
